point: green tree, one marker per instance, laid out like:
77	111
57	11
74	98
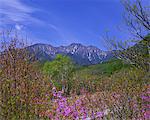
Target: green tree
60	72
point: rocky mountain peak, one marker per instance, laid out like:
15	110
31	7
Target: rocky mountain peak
80	54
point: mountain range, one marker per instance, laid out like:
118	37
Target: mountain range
80	54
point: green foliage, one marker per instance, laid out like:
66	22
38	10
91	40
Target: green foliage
106	68
138	55
21	82
59	70
97	76
61	64
25	91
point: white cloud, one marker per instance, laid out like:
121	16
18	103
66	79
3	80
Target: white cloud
16	4
53	27
19	14
14	11
18	27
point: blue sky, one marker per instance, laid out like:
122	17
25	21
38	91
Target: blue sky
62	22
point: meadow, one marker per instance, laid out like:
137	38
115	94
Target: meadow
62	90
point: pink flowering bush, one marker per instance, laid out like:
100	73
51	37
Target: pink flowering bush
72	108
146	104
98	106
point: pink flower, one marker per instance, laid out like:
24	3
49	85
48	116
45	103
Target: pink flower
67	111
78	102
99	114
75	114
59	94
147	98
147	114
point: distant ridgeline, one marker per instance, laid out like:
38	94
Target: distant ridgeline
80	54
88	55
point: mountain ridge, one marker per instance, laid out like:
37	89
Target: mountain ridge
80	54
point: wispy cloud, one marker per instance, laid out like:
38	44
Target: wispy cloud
53	26
13	11
19	27
20	14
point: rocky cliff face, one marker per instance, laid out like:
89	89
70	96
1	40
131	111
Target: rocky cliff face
80	54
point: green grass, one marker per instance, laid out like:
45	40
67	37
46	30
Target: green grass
106	68
96	76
